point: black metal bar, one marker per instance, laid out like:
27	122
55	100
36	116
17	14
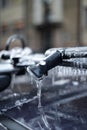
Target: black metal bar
73	64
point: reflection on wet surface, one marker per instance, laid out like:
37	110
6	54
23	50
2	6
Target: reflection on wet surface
63	104
72	115
57	111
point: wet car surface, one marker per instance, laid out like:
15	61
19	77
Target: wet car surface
71	115
63	106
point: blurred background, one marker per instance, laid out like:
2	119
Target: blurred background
44	23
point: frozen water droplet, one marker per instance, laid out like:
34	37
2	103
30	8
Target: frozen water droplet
39	85
19	108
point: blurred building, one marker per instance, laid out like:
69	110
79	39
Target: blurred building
11	19
61	25
45	23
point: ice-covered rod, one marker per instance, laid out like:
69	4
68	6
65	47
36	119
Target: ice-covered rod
56	58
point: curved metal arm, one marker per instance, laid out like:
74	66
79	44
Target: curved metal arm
15	37
48	63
